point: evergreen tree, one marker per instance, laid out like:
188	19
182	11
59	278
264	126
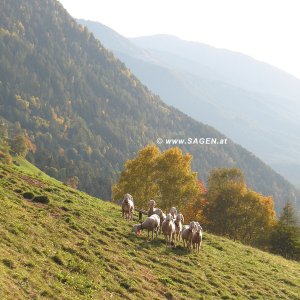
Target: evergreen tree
285	238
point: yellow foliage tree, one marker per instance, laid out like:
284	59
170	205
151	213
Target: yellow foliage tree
164	176
178	185
138	177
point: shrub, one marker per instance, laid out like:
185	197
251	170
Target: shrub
28	195
8	263
41	199
57	260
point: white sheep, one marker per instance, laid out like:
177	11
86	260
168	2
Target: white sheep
173	212
178	226
168	229
127	207
187	234
197	237
161	215
152	208
152	224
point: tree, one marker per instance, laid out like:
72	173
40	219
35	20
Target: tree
5	157
138	177
18	145
234	211
193	209
72	182
178	185
257	218
165	176
285	238
288	215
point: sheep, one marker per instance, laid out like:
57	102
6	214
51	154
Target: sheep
187	233
178	226
197	237
127	207
152	208
161	215
173	212
168	229
152	223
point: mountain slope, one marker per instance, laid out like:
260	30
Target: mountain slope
87	113
78	247
253	103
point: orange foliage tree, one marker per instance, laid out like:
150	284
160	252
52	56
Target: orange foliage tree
234	211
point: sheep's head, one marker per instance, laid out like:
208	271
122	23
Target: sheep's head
173	211
127	197
137	229
169	217
198	227
179	218
152	203
192	225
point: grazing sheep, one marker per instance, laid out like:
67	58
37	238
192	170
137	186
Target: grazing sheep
127	207
187	233
152	224
168	229
173	212
152	208
197	237
178	226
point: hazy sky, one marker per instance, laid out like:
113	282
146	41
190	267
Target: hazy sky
268	30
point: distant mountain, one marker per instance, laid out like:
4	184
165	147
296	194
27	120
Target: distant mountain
253	103
87	113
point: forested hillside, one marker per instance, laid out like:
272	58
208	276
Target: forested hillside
87	113
253	103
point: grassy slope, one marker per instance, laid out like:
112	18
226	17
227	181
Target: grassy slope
77	247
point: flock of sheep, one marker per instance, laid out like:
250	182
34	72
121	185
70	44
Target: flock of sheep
171	225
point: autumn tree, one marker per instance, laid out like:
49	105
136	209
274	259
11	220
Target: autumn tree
193	209
164	176
5	157
72	182
177	183
138	177
18	145
234	211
